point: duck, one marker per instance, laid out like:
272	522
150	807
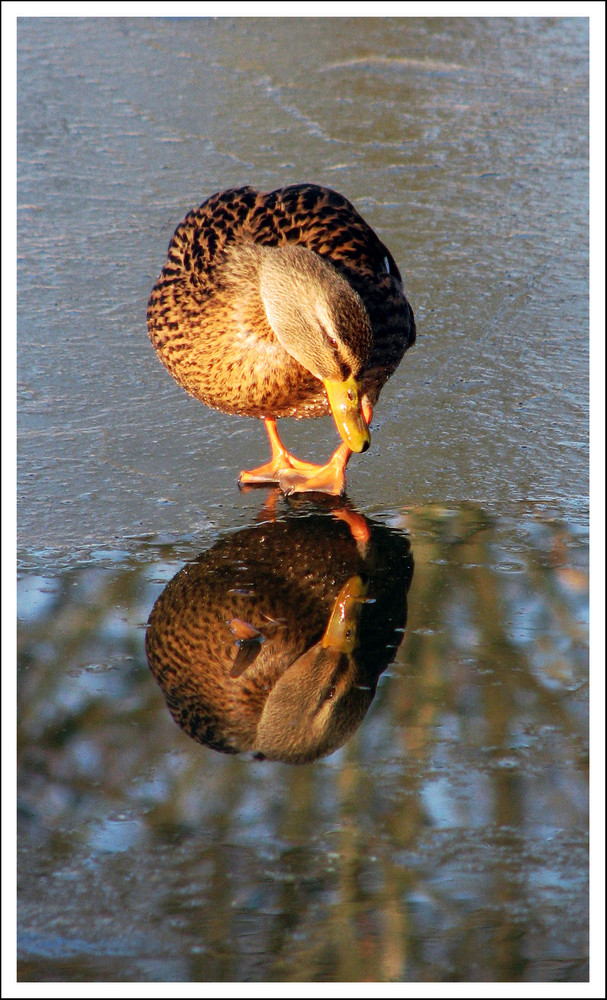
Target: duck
283	304
258	649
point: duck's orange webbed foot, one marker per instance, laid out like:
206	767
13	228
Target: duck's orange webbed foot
330	478
295	476
280	461
307	478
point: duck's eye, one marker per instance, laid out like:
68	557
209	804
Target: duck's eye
330	336
351	395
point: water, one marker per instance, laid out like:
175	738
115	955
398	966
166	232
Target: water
446	839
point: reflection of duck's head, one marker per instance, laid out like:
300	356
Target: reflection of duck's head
273	641
316	703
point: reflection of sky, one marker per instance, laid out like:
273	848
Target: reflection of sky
35	595
557	656
117	833
449	805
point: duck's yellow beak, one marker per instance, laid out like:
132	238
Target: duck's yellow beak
345	403
340	633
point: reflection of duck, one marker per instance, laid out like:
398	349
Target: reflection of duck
273	641
283	304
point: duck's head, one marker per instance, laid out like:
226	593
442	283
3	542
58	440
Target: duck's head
321	321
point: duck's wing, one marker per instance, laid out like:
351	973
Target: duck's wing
307	214
328	223
318	218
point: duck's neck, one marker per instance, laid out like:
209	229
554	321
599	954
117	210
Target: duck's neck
311	309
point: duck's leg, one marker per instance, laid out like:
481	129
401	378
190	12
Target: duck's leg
359	528
280	461
329	478
295	476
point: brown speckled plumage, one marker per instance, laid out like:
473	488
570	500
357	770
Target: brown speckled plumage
294	697
207	321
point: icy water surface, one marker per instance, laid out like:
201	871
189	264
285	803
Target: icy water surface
435	620
445	840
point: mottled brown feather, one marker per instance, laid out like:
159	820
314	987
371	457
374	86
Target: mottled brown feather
213	334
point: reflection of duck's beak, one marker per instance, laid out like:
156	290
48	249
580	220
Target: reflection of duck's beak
345	402
340	633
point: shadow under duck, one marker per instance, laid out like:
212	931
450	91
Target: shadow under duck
283	304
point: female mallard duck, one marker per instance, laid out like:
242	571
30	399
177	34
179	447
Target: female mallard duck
256	647
283	304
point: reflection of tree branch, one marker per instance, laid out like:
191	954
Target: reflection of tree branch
509	663
342	866
458	560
